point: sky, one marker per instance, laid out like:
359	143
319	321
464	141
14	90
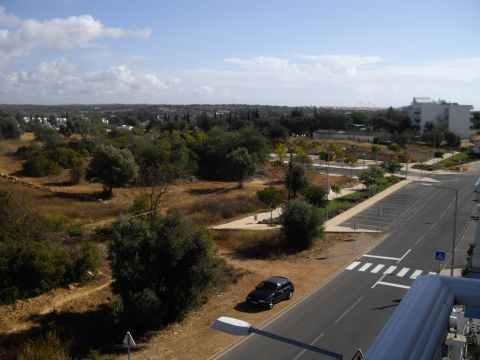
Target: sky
367	53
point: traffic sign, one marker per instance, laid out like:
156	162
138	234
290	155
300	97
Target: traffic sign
128	340
439	255
358	355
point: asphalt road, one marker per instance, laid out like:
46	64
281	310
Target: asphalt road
349	311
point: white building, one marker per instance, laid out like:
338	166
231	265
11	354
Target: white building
444	115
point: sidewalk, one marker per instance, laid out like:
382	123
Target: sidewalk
332	225
252	222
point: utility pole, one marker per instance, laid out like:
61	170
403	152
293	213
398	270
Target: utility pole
290	163
328	185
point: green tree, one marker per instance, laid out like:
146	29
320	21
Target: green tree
392	165
77	171
335	188
160	270
270	196
9	128
112	167
301	223
316	196
373	176
242	164
452	139
281	151
297	180
39	166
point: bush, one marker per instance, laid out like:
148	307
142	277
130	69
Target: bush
26	152
161	270
315	196
77	171
39	166
75	231
31	268
301	223
48	346
438	154
86	259
64	157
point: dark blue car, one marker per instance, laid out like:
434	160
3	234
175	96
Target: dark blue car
271	291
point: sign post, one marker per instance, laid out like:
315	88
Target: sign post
439	256
128	342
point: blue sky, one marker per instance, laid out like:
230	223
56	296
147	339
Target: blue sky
279	52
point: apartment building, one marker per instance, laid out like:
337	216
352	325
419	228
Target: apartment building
442	114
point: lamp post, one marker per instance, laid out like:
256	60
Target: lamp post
238	327
454	220
328	185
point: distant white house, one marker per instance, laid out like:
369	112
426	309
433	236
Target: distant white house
449	116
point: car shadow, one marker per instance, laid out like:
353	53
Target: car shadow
247	308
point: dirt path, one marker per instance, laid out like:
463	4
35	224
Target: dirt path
21	315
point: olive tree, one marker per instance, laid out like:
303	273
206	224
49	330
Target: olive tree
112	167
161	270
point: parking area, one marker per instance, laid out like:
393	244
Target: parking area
384	213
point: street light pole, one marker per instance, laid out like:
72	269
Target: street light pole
238	327
454	221
328	185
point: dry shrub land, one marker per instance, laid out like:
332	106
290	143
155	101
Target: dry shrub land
79	315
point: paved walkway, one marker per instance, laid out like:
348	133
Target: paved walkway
253	222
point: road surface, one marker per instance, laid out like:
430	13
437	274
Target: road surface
349	311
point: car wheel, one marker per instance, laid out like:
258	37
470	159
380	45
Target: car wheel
290	294
270	305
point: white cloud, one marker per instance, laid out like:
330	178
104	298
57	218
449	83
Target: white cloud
59	34
8	20
204	91
61	82
255	81
264	63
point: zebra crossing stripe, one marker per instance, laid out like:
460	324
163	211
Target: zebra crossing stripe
353	265
390	270
415	274
377	268
365	267
402	272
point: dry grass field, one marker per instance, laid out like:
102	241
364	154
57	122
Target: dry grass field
204	203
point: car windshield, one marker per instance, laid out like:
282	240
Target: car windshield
267	286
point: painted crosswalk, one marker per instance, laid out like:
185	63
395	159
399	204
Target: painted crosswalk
398	271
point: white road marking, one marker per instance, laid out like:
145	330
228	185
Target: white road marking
432	273
377	268
433	225
379	280
394	285
403	257
415	274
353	265
402	272
304	350
349	309
365	267
390	270
420	239
381	257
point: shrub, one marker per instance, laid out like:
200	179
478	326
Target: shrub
77	171
438	154
26	152
86	259
30	268
161	269
301	223
65	157
39	165
48	346
75	230
315	196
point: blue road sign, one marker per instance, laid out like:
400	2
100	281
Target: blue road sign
440	255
